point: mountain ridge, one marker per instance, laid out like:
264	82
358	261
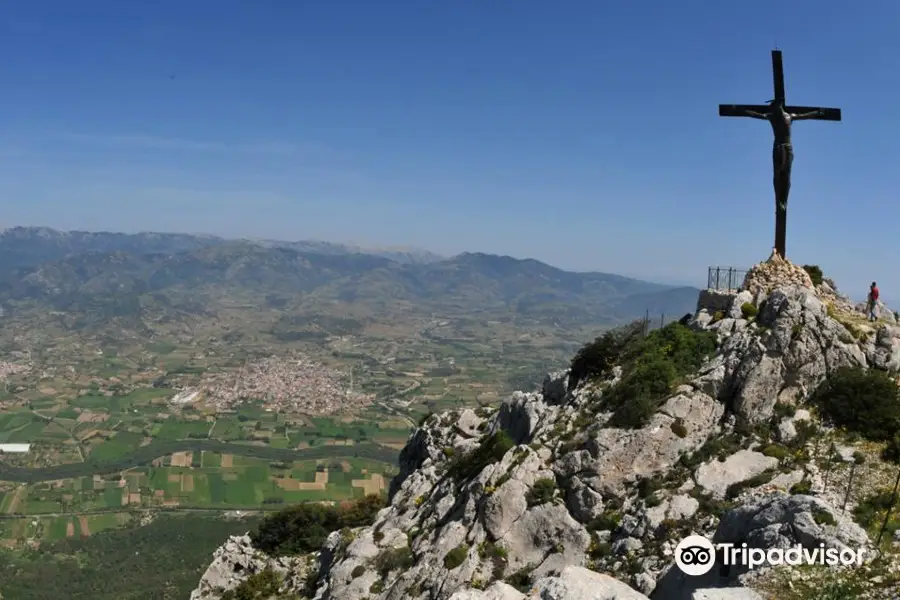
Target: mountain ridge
42	264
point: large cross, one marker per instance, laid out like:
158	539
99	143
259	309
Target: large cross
783	153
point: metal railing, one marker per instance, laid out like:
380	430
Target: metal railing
725	279
650	322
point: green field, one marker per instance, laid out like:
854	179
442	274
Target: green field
201	481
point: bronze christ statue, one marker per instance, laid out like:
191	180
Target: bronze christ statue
782	150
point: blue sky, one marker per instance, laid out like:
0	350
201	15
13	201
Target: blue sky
581	133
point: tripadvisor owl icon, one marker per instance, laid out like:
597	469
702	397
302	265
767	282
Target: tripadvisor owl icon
695	555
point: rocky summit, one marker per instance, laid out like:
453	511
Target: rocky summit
582	489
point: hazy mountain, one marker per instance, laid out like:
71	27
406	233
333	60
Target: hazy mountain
30	246
103	272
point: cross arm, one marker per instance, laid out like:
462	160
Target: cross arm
828	114
740	110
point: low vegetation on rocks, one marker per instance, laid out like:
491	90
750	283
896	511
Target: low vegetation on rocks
490	451
651	366
304	527
865	402
541	492
597	359
265	584
815	274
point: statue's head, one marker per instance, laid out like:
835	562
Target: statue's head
777	104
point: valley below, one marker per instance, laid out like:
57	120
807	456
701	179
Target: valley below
153	377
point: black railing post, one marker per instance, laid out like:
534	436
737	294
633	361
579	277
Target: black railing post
887	516
832	450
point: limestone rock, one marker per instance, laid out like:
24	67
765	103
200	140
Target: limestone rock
715	476
781	520
734	593
236	560
497	591
579	583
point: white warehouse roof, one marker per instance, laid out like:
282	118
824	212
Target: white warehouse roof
14	447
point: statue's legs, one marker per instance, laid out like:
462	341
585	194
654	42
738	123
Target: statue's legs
783	160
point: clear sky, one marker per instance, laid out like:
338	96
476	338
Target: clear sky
581	133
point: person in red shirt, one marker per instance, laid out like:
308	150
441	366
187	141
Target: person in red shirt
873	301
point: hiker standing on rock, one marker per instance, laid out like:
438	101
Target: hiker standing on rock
873	302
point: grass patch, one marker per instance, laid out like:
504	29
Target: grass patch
456	557
489	452
541	492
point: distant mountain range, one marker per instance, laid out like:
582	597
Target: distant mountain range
30	246
99	272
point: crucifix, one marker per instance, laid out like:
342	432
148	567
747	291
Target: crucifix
780	117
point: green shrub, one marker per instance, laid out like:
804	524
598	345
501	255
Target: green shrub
823	517
870	511
393	559
597	359
358	571
490	451
776	451
260	585
815	273
861	401
496	554
801	488
720	447
749	310
609	520
648	486
678	428
891	452
304	527
456	557
599	549
650	368
736	489
784	410
709	504
541	492
521	580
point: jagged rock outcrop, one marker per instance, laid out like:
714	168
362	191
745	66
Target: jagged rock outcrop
560	512
237	559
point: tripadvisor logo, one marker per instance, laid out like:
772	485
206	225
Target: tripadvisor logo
695	555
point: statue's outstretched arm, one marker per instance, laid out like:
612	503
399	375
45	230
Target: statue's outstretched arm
756	115
809	115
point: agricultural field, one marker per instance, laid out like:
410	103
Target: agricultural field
182	481
101	429
202	480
